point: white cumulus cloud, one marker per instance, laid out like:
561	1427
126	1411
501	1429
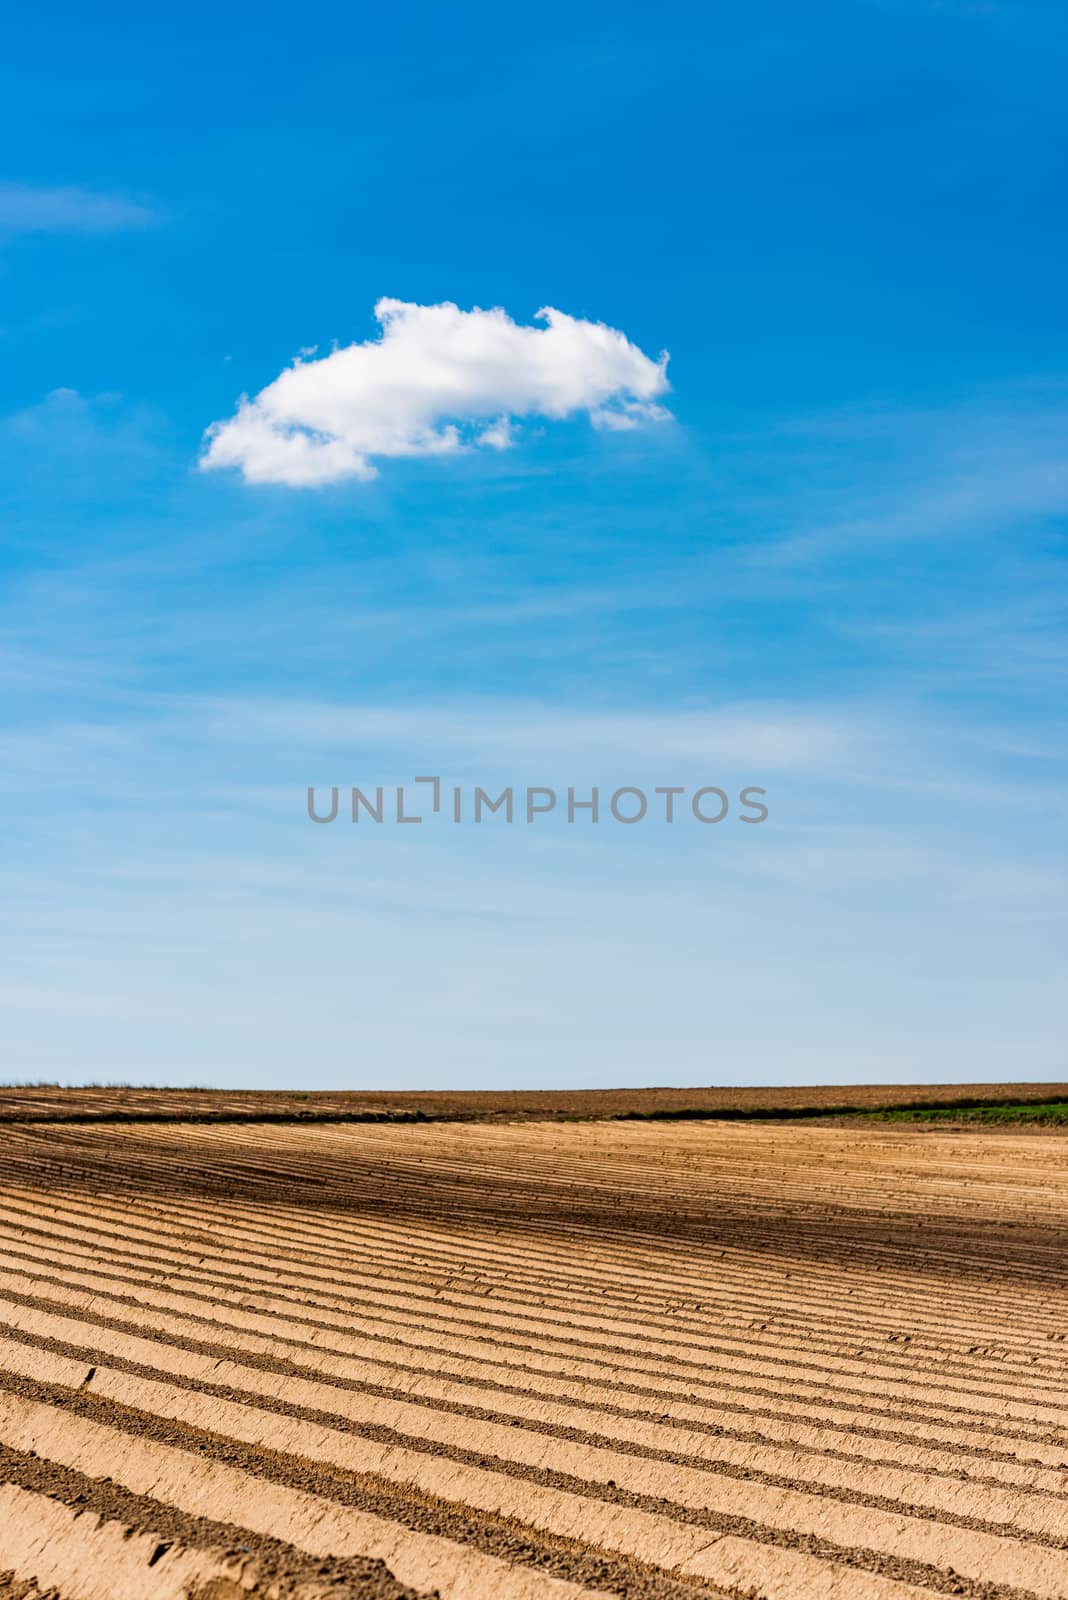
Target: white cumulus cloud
437	381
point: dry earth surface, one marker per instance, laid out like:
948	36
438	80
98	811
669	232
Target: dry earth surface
532	1361
44	1102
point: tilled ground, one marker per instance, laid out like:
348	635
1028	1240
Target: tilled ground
533	1360
44	1103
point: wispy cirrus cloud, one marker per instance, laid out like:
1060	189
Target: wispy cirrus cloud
438	381
997	463
30	208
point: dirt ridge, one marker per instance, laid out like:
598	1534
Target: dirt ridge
541	1360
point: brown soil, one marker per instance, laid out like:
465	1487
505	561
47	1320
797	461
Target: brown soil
555	1359
50	1103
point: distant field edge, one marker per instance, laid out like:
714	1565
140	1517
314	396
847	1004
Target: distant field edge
995	1105
1016	1110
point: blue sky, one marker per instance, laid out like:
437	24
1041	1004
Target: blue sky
836	570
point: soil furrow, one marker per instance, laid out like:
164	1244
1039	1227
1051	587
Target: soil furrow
685	1551
496	1483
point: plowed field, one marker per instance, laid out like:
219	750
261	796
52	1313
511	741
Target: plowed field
532	1360
43	1102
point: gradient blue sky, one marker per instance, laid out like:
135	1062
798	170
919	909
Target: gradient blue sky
837	573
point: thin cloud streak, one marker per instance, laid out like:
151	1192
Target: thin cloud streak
27	209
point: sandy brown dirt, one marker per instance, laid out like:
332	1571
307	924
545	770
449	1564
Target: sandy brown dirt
533	1361
12	1588
44	1103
